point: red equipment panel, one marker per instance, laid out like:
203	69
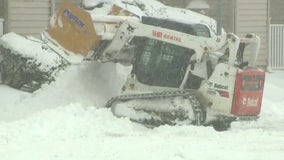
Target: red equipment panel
248	92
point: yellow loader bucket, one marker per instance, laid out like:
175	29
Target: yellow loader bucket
73	29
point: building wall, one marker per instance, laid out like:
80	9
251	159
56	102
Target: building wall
2	8
227	13
277	11
28	17
252	17
4	13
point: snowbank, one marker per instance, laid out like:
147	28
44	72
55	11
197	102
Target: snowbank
32	48
90	83
26	63
64	120
74	132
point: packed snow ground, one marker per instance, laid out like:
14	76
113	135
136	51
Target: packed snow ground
66	121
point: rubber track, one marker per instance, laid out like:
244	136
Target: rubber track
199	113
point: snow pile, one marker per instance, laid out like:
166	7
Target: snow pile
90	83
74	132
31	48
152	8
27	62
64	120
273	102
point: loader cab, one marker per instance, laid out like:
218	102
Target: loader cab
162	64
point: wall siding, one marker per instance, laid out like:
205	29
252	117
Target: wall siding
252	17
228	10
277	11
4	14
28	17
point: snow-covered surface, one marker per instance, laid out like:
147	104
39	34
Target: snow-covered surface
152	8
66	121
30	47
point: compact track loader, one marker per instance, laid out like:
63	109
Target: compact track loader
182	71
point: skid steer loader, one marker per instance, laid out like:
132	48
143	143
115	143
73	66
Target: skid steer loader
182	71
